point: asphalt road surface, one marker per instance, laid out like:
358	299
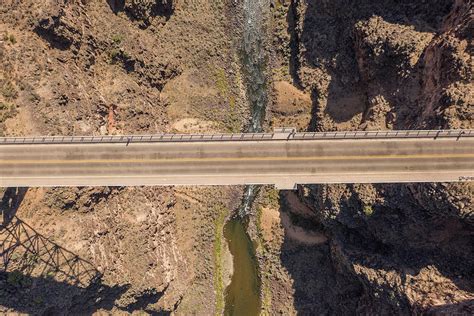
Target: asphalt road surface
280	162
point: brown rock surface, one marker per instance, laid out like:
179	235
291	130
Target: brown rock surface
147	66
404	248
110	67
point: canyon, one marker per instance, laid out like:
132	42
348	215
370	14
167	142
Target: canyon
97	67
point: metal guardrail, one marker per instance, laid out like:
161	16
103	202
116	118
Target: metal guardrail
234	137
385	134
135	138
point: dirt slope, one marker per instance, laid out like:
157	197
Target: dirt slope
114	67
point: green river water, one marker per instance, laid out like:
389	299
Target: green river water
242	296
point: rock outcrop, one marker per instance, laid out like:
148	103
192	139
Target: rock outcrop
386	65
144	11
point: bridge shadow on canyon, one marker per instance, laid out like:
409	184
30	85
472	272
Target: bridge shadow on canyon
39	276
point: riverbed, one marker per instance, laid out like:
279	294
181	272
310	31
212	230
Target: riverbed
242	296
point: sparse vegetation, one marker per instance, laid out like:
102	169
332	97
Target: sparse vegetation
117	54
33	97
17	279
117	39
232	121
271	197
266	299
32	259
368	210
50	274
221	82
262	250
218	266
8	90
7	110
113	55
9	38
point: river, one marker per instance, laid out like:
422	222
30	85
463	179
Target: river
242	296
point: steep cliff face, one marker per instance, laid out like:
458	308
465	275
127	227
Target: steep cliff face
362	61
447	95
405	248
409	245
388	61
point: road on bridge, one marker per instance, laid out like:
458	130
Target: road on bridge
281	162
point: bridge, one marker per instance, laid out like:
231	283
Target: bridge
284	158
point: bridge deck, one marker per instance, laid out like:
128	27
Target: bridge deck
280	162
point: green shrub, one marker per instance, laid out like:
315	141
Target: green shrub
117	39
12	39
50	274
8	90
9	38
17	279
7	111
118	54
222	84
368	210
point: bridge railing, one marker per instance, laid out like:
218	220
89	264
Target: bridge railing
135	138
384	134
236	137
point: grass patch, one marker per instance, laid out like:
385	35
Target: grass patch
50	275
232	121
222	84
218	265
114	54
271	198
117	39
9	38
368	210
33	97
266	299
7	110
12	39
